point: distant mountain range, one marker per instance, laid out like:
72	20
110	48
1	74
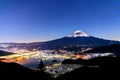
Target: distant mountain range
77	39
3	53
111	48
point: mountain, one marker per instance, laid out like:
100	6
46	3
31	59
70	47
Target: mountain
111	48
3	53
76	39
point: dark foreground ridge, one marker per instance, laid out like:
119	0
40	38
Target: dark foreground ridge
18	72
96	68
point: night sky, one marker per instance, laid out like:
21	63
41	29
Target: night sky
42	20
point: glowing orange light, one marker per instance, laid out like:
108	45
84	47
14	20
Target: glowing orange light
86	57
19	58
12	60
78	56
5	60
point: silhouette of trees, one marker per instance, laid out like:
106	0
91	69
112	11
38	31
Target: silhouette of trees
41	65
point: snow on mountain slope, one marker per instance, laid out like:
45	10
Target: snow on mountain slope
78	33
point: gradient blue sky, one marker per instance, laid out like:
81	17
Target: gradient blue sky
42	20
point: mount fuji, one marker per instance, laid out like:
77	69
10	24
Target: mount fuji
77	39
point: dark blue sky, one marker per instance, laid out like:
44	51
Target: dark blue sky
41	20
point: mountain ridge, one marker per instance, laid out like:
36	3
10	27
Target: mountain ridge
78	38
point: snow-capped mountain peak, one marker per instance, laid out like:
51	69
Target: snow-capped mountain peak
78	33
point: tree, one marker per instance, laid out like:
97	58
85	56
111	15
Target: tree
41	65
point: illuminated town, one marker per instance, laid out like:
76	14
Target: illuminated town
51	59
